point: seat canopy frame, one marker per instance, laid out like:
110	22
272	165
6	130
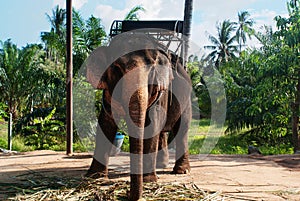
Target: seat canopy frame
167	32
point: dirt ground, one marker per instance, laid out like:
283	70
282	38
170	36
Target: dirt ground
237	177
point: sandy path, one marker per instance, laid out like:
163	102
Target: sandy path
237	177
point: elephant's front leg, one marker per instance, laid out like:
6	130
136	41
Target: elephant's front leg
155	122
149	159
104	141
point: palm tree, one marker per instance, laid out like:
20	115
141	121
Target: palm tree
55	40
19	70
244	26
266	36
133	14
57	20
223	47
87	36
95	33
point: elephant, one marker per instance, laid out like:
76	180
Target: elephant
149	88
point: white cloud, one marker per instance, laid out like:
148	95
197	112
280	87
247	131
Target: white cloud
77	4
216	11
61	3
208	13
108	14
152	7
264	17
155	10
221	8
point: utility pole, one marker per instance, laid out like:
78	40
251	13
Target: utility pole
69	83
187	21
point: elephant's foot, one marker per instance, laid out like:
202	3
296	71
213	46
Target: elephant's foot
150	177
97	170
182	166
162	165
182	169
162	159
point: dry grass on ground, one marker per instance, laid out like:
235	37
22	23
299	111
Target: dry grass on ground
57	189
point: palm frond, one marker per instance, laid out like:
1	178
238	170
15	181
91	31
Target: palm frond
133	13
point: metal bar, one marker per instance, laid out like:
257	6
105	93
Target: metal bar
10	122
69	82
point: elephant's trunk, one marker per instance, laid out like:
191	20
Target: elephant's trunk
137	89
137	111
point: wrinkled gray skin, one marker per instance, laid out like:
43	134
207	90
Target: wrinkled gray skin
139	86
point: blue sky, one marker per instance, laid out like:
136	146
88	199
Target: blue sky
24	20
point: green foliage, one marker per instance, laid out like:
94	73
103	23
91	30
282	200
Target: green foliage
133	14
87	36
32	79
260	91
230	145
260	83
55	39
279	149
3	134
238	144
80	146
197	68
18	71
3	108
87	104
223	46
244	28
19	144
44	132
125	146
3	143
255	98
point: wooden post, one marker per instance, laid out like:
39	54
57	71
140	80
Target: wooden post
10	122
69	83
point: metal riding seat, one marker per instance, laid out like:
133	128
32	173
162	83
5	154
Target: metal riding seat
168	32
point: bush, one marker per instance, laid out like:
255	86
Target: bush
42	128
3	113
18	144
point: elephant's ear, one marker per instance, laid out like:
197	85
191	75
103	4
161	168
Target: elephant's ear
111	77
96	65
